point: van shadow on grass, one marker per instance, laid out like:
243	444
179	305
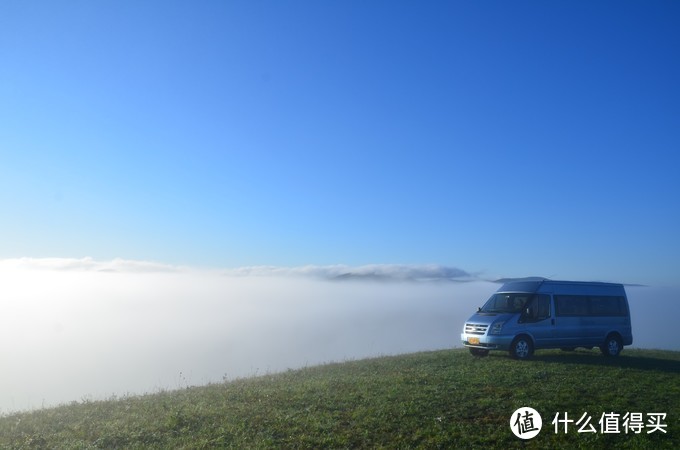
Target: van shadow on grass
628	359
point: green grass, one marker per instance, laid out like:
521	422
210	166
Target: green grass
441	399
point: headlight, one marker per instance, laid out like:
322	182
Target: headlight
497	327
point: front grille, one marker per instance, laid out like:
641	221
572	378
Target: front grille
475	328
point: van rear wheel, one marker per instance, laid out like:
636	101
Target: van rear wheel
612	346
522	348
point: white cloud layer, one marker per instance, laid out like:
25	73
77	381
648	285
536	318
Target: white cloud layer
88	264
79	328
430	272
427	272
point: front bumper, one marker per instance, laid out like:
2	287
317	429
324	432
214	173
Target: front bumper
486	342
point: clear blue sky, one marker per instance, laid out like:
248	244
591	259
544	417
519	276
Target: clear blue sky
508	138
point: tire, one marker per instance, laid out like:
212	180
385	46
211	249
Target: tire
480	352
522	348
612	346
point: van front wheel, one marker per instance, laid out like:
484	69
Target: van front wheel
522	348
612	346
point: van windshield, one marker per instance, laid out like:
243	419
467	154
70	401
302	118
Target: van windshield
506	303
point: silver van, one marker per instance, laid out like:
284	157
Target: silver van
526	315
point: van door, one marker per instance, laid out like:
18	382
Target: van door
539	322
570	311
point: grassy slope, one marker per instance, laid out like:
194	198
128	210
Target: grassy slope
436	399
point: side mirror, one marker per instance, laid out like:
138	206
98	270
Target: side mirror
479	309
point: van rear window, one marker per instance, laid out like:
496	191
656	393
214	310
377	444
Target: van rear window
589	305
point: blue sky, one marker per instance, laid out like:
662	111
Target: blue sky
502	138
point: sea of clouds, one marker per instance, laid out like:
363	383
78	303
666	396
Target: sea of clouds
74	329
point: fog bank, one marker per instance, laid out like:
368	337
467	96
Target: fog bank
67	335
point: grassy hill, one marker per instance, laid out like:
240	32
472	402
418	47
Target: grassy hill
441	399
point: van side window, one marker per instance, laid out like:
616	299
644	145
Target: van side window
571	305
607	306
594	305
543	302
539	308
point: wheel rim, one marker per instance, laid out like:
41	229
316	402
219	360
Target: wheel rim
613	347
522	349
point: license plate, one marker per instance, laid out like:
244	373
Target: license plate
473	341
